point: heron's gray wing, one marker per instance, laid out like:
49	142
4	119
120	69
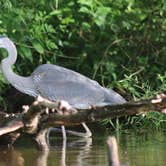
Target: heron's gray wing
57	83
111	97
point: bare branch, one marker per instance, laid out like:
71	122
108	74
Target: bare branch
11	127
34	118
110	111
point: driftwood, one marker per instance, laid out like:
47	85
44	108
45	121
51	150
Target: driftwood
40	116
113	156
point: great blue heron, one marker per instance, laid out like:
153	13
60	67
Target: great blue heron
57	83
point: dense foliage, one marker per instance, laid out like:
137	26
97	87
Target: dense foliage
121	44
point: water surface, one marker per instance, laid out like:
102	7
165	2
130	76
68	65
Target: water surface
136	148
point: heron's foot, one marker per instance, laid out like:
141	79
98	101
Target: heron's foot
25	108
65	108
38	100
92	107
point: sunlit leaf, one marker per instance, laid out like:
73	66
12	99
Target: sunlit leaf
51	45
38	47
100	15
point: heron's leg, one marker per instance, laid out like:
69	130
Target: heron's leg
49	130
65	108
63	156
87	133
63	132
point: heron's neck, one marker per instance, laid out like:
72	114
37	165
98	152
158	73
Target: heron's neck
8	73
7	63
12	54
23	84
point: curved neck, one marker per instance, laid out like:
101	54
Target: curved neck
7	63
12	54
23	84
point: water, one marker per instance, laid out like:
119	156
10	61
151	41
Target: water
136	148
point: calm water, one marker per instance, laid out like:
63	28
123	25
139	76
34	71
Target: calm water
145	148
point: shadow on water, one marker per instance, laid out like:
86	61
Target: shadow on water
142	148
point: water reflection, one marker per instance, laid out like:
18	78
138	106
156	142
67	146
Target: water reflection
42	158
142	148
80	148
11	157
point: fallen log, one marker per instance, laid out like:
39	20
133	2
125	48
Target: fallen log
34	119
98	113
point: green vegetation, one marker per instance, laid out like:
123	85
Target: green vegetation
121	44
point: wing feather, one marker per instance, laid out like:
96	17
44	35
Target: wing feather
57	83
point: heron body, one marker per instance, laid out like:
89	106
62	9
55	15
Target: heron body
57	83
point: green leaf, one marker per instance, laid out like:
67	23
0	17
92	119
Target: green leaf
100	15
88	3
67	20
86	10
51	45
25	52
38	47
86	26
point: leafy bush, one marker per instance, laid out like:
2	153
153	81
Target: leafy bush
120	43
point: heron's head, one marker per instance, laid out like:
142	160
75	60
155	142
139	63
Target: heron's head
4	42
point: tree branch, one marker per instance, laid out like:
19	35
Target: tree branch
110	111
35	119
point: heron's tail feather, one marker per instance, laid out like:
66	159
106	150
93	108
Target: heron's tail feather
112	97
